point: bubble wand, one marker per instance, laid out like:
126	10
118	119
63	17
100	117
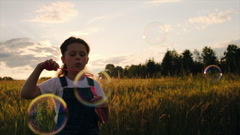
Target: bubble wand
99	111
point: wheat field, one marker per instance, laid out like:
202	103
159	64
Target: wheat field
163	106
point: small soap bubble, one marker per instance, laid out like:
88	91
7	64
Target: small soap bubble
47	114
213	73
155	33
80	95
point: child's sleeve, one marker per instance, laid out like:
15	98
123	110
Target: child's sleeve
50	86
99	90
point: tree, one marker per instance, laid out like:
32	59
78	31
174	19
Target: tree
170	63
167	63
6	78
187	61
115	72
197	62
133	71
151	68
197	56
109	68
238	60
209	56
175	64
231	57
118	72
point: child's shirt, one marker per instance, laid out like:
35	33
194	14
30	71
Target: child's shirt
54	86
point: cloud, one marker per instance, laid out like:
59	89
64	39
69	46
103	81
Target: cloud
96	19
162	1
117	60
97	62
128	59
20	52
212	18
55	12
204	21
86	31
78	33
224	44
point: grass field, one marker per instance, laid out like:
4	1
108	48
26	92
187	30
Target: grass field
164	106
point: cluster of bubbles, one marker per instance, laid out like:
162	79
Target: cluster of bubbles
43	111
213	73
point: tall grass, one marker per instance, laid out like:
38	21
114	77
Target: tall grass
166	106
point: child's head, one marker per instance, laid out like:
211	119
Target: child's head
70	40
74	54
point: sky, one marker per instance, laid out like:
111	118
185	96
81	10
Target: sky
119	32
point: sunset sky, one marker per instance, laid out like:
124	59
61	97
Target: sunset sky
119	32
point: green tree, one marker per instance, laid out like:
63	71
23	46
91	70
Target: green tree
232	58
209	56
197	56
197	62
133	71
169	65
109	68
118	72
187	61
151	67
6	78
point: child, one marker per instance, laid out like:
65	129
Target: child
81	119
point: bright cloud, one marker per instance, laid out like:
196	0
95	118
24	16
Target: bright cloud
78	33
20	52
86	31
96	19
225	43
212	18
204	21
89	30
55	12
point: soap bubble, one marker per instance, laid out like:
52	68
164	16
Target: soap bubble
47	114
155	33
213	73
104	77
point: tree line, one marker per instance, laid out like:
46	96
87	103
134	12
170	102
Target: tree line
175	64
6	78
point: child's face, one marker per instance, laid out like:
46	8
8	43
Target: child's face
76	56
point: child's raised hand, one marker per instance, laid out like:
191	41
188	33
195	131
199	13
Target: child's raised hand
50	65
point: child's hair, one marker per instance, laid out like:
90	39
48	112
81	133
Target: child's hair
64	46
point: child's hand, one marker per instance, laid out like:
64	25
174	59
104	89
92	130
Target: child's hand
50	65
99	99
102	109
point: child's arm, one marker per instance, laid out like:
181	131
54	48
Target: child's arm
30	89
